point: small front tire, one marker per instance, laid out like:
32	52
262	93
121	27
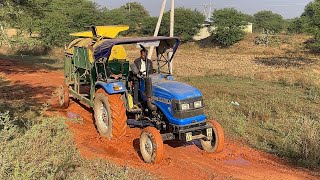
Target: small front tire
151	145
216	144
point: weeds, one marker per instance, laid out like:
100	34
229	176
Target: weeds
45	149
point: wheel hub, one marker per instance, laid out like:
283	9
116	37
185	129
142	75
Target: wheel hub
148	146
104	115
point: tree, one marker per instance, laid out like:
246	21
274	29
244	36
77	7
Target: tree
269	21
132	14
229	24
311	18
187	23
53	19
295	26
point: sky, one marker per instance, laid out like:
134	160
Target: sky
287	8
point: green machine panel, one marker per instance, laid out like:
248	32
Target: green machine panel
81	58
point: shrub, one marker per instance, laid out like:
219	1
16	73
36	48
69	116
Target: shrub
269	21
45	149
228	36
229	24
311	17
295	26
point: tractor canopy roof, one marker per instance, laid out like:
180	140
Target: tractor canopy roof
162	43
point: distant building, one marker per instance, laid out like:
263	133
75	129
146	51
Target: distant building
207	30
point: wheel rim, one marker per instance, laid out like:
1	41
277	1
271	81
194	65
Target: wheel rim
148	146
103	116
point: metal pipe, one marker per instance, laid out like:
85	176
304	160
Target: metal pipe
156	31
171	33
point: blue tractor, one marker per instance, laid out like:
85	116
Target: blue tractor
168	109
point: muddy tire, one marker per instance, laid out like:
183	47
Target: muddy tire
110	115
217	143
151	145
64	99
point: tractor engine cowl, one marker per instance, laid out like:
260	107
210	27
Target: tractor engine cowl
181	103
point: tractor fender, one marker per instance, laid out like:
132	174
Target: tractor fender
111	88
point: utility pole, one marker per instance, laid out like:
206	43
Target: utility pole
157	27
171	33
207	11
129	7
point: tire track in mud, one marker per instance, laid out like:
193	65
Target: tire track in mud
181	161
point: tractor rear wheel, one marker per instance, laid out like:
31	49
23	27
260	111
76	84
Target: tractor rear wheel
64	99
151	145
216	144
109	114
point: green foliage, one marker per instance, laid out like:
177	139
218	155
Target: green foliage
149	25
54	19
132	14
229	17
229	24
295	26
228	36
269	21
187	23
311	17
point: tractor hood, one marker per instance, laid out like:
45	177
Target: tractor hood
175	90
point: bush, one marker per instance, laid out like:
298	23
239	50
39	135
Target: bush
229	24
228	36
267	20
295	26
311	17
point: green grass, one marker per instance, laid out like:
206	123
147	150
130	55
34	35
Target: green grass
44	148
275	117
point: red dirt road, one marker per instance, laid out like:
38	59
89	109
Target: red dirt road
182	161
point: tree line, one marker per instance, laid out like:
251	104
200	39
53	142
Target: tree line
53	20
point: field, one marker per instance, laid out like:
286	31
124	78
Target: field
266	98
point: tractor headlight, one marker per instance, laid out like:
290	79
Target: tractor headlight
197	104
185	107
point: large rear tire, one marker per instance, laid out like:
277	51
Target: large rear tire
64	99
217	143
151	145
109	114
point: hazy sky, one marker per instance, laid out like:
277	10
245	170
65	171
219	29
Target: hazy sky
287	8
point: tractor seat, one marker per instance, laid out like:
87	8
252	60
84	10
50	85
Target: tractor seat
119	67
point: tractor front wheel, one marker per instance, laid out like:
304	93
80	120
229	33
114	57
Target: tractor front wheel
64	99
216	144
109	114
151	145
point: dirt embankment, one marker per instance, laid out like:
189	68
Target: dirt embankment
182	161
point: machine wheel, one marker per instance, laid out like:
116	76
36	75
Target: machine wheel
109	114
217	142
151	145
64	99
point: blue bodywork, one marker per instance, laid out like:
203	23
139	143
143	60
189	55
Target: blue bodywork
165	89
109	87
